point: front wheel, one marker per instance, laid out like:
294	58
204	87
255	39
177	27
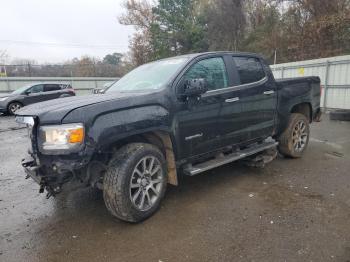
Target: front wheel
135	182
294	140
13	107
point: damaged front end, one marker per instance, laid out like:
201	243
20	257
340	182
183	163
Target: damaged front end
57	156
46	180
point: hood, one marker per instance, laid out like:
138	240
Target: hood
2	95
53	111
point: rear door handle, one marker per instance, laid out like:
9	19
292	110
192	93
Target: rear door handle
271	92
231	100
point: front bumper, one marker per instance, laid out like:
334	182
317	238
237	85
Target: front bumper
3	106
51	179
32	170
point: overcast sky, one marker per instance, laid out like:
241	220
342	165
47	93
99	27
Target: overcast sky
71	28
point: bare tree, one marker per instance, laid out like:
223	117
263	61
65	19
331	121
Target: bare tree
226	23
139	14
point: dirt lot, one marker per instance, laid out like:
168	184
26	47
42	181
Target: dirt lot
293	210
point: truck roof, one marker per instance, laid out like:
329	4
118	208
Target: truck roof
193	55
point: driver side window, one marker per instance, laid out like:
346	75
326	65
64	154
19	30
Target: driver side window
213	70
36	89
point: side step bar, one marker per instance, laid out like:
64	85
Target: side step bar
223	160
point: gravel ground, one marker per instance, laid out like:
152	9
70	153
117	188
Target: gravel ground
292	210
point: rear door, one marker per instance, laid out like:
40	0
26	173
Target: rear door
230	124
52	91
258	97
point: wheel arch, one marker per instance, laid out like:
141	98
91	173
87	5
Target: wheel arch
11	102
159	138
304	109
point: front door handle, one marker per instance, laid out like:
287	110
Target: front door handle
231	100
270	92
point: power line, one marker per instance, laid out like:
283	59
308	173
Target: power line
70	45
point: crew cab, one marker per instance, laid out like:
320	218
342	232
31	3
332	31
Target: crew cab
178	116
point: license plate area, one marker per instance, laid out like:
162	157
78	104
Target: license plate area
27	120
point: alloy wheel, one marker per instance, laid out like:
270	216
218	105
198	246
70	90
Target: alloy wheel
14	107
300	136
146	183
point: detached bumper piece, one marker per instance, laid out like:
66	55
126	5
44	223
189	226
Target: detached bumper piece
317	116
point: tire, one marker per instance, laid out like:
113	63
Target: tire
295	139
341	115
13	107
122	183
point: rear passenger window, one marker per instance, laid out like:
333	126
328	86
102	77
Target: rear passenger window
213	70
52	87
250	69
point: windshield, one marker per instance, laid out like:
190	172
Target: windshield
150	76
20	90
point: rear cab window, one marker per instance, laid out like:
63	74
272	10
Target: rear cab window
250	69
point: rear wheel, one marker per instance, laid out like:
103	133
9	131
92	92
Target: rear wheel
135	182
13	107
294	140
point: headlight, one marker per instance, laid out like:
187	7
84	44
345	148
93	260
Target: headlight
3	98
62	137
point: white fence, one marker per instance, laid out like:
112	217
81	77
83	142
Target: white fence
83	85
334	73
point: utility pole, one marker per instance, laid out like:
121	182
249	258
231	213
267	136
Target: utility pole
29	70
275	58
95	74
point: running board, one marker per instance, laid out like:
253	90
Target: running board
226	159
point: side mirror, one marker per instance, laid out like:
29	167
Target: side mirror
195	87
26	93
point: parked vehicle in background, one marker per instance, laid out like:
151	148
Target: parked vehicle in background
33	93
190	114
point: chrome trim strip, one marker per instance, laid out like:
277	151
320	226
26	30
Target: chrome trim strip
193	137
231	100
239	87
271	92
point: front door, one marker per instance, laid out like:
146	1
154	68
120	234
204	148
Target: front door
34	95
197	118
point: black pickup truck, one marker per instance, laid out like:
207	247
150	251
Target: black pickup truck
177	116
